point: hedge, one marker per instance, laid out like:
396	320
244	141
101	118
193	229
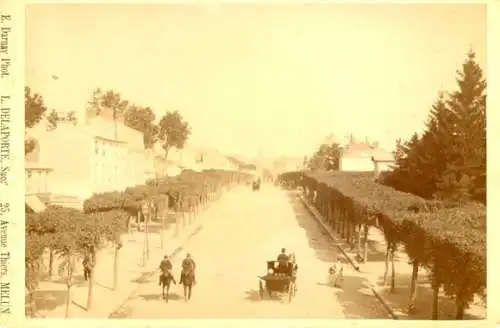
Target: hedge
449	238
188	188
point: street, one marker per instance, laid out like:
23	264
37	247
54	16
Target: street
231	252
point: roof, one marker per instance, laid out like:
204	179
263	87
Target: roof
381	155
358	150
366	150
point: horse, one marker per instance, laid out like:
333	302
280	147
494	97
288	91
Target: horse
293	265
166	279
187	280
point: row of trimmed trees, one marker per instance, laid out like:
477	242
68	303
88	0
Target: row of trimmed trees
70	234
447	238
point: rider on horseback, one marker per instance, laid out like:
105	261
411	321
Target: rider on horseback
188	268
166	269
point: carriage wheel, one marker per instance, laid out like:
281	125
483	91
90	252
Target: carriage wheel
261	290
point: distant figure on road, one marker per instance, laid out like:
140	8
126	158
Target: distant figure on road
283	260
337	272
87	266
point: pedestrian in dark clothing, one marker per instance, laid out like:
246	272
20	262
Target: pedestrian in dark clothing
87	266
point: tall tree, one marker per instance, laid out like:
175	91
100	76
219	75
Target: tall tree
449	160
107	103
53	118
71	116
142	120
327	157
466	169
173	131
34	109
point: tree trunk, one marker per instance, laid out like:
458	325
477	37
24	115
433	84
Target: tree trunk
68	301
115	268
51	263
358	246
386	272
69	277
146	221
91	283
365	241
30	302
162	235
177	223
412	307
348	230
460	308
435	298
393	270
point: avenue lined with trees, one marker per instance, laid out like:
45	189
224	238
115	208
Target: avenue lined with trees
70	234
432	202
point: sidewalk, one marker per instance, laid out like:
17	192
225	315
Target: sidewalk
50	296
373	270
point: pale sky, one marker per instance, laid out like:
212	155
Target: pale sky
250	78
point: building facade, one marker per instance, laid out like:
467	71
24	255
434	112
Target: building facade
71	162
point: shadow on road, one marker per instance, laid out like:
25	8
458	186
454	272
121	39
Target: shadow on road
253	296
158	297
399	300
356	297
48	300
375	252
145	277
318	239
78	280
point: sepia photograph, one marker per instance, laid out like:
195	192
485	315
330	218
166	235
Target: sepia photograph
255	161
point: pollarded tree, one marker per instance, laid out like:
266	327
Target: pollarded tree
107	103
173	131
53	118
327	157
142	120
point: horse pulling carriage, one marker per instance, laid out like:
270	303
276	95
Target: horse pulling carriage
279	281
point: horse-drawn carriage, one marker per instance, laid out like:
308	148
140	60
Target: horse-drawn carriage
279	280
256	185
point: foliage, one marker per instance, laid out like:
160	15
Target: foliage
173	131
290	179
327	157
34	109
68	232
142	120
183	189
106	201
108	103
53	118
447	237
448	161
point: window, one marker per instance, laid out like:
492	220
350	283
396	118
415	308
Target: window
96	147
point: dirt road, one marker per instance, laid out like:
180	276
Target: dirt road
231	252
